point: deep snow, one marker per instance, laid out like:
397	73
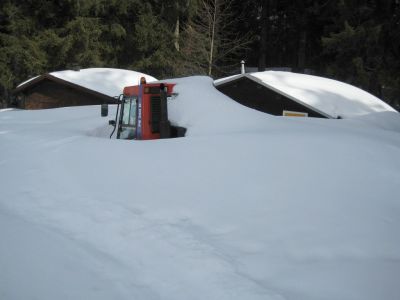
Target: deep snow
108	81
247	206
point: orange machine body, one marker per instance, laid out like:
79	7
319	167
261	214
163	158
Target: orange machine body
148	108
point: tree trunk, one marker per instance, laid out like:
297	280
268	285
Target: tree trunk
301	58
176	34
262	62
211	57
302	42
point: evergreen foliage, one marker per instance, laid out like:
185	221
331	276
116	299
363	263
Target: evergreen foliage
354	41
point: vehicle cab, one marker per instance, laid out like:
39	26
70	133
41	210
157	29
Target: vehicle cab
142	112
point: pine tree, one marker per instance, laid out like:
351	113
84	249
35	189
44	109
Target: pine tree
153	49
20	54
360	51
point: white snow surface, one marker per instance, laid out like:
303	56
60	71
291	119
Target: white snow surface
246	206
107	81
328	96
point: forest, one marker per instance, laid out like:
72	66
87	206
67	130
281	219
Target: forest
350	40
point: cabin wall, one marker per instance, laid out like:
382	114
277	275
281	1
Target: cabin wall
50	94
257	96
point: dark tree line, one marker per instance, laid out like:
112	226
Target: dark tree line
350	40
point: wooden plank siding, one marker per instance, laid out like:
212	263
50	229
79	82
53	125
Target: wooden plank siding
257	96
50	92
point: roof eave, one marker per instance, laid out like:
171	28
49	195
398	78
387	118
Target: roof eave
259	81
50	77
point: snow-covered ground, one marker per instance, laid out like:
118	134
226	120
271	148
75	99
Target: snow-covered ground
247	206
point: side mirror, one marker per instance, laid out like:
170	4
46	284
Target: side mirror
111	122
104	110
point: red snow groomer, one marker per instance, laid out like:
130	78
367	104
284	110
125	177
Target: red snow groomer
142	112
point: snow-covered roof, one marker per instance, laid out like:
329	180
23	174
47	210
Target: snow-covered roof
107	81
331	97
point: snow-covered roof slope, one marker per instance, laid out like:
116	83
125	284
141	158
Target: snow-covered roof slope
331	97
107	81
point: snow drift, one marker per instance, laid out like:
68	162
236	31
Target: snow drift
247	206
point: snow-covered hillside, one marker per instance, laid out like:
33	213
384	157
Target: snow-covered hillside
247	206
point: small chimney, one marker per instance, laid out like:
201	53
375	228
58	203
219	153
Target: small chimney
242	70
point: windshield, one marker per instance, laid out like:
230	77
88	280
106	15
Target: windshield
129	115
128	125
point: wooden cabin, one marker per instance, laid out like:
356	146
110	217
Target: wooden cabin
253	93
48	91
284	93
